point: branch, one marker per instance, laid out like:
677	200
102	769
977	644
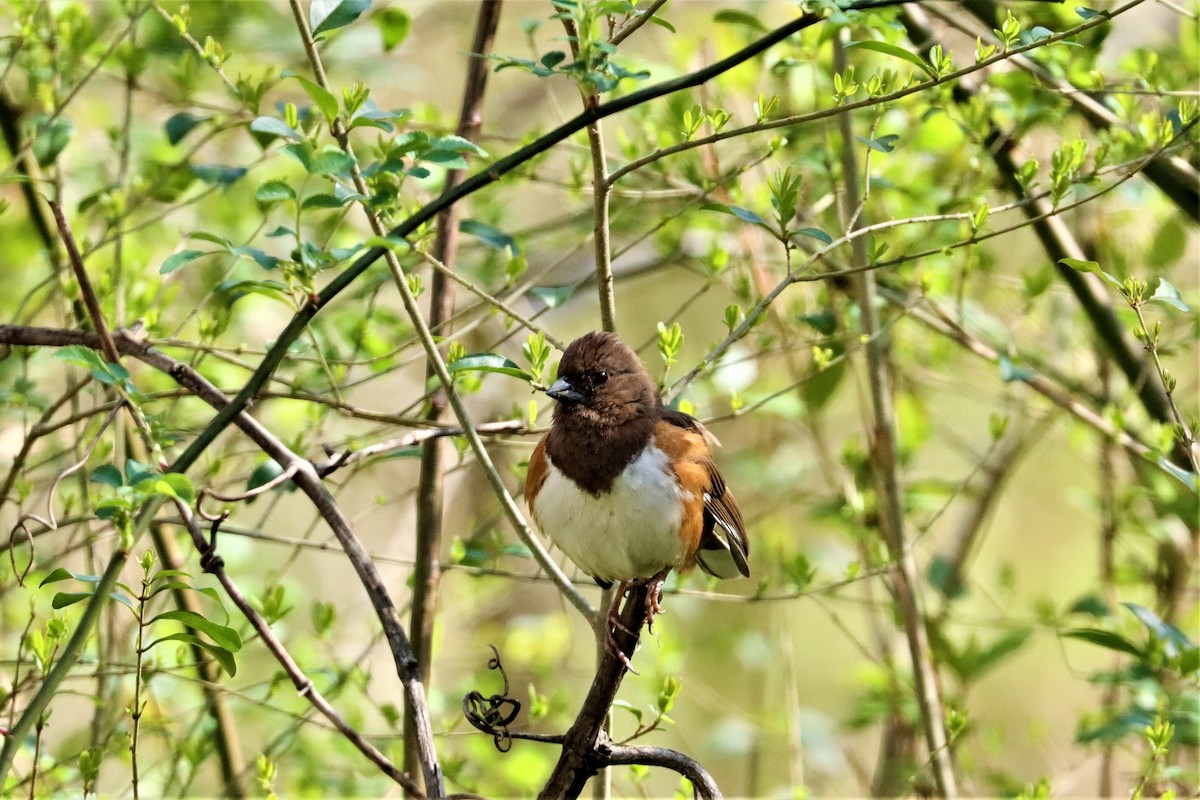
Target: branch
304	685
1059	243
1174	176
430	495
685	765
483	178
885	469
585	747
305	477
812	116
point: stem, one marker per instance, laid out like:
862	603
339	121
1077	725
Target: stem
1184	436
302	682
66	661
139	653
1059	243
887	479
430	496
576	762
85	285
484	177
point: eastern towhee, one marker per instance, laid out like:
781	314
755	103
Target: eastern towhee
625	487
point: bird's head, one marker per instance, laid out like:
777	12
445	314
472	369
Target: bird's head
601	379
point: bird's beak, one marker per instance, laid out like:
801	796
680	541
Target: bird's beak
562	391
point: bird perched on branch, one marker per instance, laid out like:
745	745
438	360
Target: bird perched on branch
627	488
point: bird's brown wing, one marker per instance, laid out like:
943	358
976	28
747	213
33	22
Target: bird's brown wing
535	476
713	528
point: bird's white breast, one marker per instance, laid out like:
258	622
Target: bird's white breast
630	532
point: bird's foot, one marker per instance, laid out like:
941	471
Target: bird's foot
653	596
613	624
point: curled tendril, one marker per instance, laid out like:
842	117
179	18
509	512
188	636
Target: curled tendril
209	560
493	714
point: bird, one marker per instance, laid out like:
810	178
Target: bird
627	488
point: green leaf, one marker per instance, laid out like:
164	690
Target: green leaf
322	98
235	290
301	151
110	507
81	356
882	144
177	260
181	124
177	485
978	661
331	161
1131	722
322	200
517	550
1186	477
1086	13
275	127
67	599
111	374
136	471
109	475
1168	295
1176	640
814	233
455	144
62	574
328	15
630	707
896	52
1105	639
224	636
263	474
488	362
50	137
553	58
274	191
1010	372
746	19
492	237
1189	662
1090	604
744	214
218	175
1080	265
662	23
393	24
553	296
223	656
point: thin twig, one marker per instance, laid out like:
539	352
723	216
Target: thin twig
304	685
1059	243
1101	18
685	765
882	436
430	495
479	180
85	284
306	478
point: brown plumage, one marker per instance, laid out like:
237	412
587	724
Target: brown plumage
625	487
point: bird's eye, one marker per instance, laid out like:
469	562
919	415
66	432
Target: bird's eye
601	377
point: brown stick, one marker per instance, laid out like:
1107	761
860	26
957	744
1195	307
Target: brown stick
309	482
430	495
577	762
85	285
586	748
